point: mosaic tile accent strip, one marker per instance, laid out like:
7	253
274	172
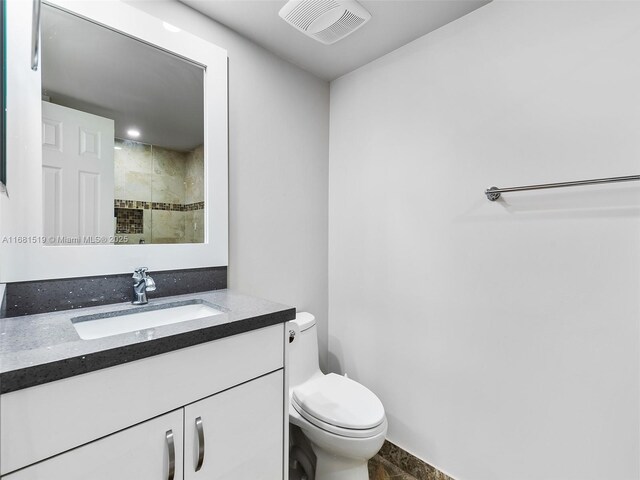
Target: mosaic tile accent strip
117	203
193	206
129	220
174	207
394	463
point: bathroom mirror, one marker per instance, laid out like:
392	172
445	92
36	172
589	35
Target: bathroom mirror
123	137
116	136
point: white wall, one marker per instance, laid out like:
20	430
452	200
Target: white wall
278	169
502	337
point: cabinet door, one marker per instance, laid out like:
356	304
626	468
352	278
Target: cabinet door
142	452
242	429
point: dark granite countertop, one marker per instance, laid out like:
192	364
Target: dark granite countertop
37	349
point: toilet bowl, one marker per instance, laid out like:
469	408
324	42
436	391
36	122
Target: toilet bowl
343	421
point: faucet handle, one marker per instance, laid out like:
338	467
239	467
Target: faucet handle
140	273
149	284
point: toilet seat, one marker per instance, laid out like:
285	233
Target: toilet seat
340	406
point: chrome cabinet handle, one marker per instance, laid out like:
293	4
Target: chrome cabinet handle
200	431
172	454
35	35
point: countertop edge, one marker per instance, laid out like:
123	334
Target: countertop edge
35	375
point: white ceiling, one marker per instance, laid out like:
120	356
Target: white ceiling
394	23
91	68
96	70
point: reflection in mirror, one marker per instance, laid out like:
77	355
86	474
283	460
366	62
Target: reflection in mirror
123	138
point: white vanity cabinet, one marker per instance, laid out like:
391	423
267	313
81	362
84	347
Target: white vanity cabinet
113	423
238	435
142	452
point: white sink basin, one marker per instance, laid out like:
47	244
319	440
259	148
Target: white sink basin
90	327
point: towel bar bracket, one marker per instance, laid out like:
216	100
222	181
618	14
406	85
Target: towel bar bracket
493	196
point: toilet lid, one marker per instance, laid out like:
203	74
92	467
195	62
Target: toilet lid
339	401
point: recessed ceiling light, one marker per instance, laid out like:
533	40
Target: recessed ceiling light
132	132
117	148
171	28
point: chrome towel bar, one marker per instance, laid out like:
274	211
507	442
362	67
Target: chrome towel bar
494	193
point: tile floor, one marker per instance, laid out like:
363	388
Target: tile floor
381	469
394	463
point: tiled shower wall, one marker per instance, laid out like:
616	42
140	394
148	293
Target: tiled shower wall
167	185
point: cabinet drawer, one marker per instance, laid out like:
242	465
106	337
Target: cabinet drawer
42	421
140	453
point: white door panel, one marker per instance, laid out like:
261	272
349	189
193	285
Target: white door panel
78	173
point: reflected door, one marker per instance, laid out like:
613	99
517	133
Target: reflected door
77	175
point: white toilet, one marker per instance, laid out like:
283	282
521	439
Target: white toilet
344	421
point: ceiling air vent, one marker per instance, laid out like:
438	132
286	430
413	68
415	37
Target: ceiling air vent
326	21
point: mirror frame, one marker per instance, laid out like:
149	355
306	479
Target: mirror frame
3	98
23	256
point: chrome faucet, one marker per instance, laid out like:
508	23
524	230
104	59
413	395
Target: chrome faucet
142	283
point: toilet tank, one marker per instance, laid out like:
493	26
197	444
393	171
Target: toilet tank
303	349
